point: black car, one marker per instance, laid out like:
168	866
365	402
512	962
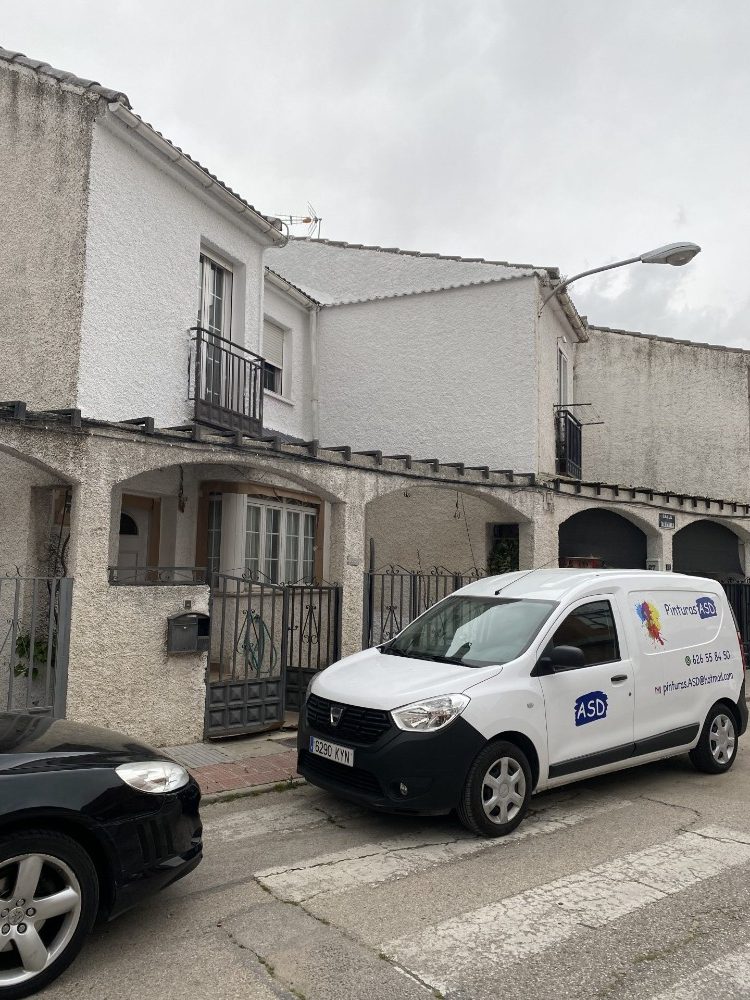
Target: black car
90	821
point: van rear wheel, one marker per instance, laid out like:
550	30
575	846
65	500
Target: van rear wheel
497	790
716	749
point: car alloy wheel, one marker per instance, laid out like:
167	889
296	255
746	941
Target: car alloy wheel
40	908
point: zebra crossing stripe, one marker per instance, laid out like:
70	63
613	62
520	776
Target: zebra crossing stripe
728	976
370	864
496	936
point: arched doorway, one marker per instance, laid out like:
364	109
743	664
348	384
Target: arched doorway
601	537
707	548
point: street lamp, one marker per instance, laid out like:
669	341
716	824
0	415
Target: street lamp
675	254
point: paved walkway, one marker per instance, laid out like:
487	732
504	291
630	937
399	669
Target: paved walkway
241	763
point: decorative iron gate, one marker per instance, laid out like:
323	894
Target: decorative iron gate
395	596
266	641
34	643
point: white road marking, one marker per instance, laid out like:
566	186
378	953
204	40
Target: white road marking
281	817
370	864
496	936
728	976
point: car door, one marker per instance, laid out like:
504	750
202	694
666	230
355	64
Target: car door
589	709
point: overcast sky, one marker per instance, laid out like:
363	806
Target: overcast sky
563	132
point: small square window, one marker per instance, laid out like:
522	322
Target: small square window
272	378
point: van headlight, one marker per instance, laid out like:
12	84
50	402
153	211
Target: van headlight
431	714
154	776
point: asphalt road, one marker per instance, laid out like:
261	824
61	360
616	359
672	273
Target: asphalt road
632	886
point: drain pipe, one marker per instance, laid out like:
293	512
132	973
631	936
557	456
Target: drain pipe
314	396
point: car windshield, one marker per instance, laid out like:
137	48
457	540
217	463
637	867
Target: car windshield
472	631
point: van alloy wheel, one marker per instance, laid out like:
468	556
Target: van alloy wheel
716	749
722	739
503	790
497	790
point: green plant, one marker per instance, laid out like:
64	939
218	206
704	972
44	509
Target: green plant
503	557
28	657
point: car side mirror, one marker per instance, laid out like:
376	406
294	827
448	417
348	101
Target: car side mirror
566	658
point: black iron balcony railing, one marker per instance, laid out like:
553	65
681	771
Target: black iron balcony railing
568	443
226	383
157	576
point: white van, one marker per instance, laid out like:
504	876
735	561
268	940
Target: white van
528	681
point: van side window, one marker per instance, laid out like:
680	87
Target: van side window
592	628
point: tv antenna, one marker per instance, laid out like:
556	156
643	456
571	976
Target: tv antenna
312	220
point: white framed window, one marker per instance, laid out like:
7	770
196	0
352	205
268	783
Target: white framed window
214	316
562	378
279	541
273	352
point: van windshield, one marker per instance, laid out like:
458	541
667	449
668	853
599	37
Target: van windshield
472	631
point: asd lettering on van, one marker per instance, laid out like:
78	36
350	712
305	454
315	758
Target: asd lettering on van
590	707
704	607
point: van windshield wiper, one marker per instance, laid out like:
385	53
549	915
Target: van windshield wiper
436	657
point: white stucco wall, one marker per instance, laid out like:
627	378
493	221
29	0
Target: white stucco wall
448	375
144	237
332	273
293	413
45	137
553	334
676	415
422	528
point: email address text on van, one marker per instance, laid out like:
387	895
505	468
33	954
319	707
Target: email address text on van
692	682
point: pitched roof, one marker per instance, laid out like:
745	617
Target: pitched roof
553	272
120	106
597	328
62	76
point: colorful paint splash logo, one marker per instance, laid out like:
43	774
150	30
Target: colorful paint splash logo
650	618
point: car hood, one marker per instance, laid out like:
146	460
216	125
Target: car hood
22	735
377	680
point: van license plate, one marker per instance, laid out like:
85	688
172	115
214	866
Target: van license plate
332	751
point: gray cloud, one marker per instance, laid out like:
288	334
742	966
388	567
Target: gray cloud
567	132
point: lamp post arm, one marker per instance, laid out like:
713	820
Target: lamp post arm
583	274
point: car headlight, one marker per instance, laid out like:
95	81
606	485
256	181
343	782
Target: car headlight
431	714
155	776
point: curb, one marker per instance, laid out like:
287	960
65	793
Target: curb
211	798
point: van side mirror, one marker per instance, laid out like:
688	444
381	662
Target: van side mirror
566	658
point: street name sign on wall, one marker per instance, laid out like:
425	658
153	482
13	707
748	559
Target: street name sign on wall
667	520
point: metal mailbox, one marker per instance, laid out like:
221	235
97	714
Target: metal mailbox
188	633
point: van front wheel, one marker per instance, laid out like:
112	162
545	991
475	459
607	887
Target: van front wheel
497	790
717	747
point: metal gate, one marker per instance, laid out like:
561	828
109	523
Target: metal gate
266	641
395	596
34	643
739	598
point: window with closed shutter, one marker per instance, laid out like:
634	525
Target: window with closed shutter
273	352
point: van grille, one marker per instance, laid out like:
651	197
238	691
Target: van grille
340	774
358	725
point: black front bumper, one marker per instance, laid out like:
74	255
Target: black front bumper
156	849
742	707
432	766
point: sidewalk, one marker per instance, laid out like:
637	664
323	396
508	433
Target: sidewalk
244	763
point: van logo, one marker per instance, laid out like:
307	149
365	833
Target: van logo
706	607
591	707
336	712
651	621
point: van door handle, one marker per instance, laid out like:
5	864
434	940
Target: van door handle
619	678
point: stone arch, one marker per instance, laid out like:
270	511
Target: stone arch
31	505
709	548
604	536
423	526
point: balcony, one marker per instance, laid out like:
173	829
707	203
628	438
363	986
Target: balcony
226	383
568	444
